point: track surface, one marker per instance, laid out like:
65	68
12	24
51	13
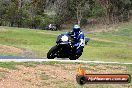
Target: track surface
57	60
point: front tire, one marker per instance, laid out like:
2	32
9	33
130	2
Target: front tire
52	52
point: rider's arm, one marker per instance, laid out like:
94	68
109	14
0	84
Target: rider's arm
81	38
82	35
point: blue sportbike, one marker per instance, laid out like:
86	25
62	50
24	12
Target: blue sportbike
65	48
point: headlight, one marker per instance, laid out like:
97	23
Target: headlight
64	38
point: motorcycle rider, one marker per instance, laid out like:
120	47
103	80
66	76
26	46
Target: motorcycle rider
78	36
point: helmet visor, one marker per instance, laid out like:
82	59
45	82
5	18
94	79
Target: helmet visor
76	29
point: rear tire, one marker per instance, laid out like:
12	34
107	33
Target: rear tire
52	52
74	57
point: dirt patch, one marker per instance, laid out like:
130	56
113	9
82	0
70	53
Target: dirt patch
52	76
28	77
4	49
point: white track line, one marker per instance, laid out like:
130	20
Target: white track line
50	60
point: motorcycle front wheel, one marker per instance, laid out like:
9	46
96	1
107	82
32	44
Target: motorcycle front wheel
52	52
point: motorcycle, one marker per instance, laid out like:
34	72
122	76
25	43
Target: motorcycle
53	27
65	48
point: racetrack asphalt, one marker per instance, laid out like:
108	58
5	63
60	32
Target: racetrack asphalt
24	59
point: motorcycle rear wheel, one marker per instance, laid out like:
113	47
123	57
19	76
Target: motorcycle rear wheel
74	57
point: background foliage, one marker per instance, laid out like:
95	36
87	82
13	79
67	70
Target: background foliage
39	13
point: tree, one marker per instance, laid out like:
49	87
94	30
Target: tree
116	9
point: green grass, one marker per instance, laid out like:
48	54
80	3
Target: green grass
44	76
117	48
107	54
122	35
9	65
29	39
29	64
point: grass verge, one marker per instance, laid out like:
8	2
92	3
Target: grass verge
106	46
